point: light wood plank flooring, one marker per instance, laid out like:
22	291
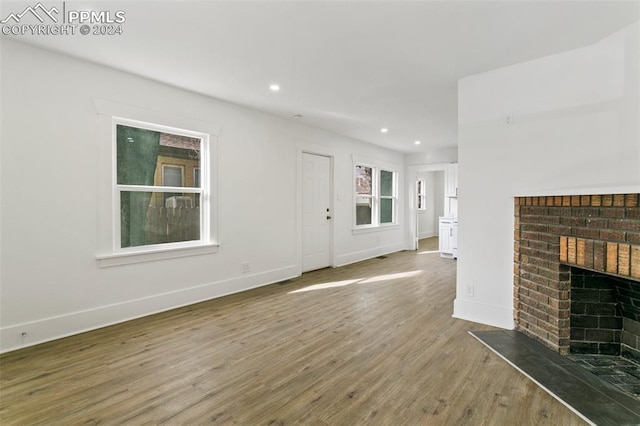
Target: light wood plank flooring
372	343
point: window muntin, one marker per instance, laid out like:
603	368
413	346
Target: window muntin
375	196
160	202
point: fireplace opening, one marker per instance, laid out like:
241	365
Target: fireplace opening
604	327
604	315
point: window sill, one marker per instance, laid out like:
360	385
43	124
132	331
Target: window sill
128	258
375	228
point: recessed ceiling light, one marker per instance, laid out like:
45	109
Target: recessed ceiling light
274	87
384	130
417	142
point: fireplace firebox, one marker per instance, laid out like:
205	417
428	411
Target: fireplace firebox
604	315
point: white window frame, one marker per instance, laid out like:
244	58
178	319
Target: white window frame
372	197
393	197
171	119
202	190
375	197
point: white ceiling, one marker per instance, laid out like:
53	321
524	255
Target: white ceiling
351	67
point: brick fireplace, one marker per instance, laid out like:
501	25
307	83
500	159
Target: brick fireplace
577	272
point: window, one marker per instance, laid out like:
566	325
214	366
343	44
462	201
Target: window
196	176
387	196
155	205
172	175
135	190
364	195
421	193
375	196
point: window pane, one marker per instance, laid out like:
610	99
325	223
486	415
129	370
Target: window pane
386	183
137	152
155	218
363	211
143	154
364	179
386	210
172	175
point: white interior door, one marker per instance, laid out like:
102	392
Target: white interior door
316	212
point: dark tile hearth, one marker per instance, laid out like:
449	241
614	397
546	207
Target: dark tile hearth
618	371
586	393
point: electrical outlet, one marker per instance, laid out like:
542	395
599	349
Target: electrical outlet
245	267
508	120
469	290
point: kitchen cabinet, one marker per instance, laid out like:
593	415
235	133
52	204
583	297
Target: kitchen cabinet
444	239
454	239
451	180
449	222
448	237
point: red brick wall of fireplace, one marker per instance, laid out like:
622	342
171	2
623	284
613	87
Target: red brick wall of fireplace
600	230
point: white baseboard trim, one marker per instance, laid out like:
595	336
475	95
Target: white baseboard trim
359	256
53	328
482	313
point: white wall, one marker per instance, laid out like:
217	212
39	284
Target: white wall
438	198
435	156
53	148
574	129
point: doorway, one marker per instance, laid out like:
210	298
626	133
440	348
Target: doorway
421	222
429	203
317	214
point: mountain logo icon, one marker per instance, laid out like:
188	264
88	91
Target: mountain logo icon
39	11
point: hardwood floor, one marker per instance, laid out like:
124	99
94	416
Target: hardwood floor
371	343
